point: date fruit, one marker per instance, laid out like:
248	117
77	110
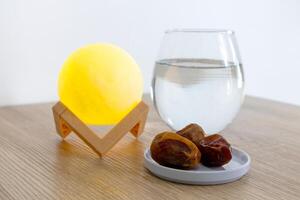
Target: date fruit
172	150
193	132
215	150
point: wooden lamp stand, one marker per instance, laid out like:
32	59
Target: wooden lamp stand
66	121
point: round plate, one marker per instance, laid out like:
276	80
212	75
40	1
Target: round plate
235	169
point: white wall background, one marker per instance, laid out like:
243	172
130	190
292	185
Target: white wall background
36	36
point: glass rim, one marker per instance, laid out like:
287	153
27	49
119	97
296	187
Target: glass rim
198	30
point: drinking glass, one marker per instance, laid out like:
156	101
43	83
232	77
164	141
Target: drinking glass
198	78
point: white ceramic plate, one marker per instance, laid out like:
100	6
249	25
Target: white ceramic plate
234	170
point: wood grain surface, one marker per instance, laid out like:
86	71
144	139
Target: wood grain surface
36	164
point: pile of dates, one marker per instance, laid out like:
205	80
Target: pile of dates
186	148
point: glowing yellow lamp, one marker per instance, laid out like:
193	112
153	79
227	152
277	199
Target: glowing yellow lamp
100	83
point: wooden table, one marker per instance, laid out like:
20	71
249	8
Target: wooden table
36	164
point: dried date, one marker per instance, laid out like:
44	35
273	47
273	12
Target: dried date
172	150
215	150
193	132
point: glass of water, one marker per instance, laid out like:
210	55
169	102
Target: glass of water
198	78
